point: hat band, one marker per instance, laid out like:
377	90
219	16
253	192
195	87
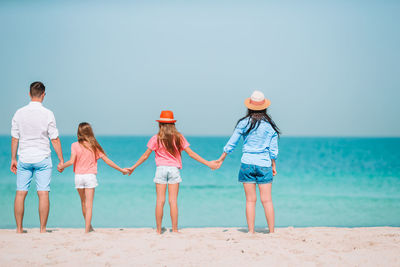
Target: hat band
257	103
165	119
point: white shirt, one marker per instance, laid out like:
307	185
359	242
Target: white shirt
33	125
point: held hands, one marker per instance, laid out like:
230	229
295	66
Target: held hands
215	164
130	170
60	167
125	171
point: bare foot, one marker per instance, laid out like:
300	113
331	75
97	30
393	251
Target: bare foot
43	230
20	231
175	231
89	230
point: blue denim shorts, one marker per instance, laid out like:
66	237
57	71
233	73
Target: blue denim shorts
42	171
254	174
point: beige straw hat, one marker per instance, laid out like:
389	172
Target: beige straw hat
257	101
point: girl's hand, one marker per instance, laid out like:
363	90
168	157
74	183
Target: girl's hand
273	165
130	170
213	165
274	170
125	171
60	167
219	162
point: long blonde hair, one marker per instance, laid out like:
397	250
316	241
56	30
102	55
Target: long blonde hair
86	137
170	138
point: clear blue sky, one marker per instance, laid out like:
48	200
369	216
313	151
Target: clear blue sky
330	68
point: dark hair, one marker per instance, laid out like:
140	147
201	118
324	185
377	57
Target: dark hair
255	118
37	89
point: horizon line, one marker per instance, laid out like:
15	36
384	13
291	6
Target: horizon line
205	136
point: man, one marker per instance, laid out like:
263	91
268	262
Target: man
31	128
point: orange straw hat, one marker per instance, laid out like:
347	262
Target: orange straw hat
167	116
257	101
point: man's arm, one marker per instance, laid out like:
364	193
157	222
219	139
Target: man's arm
55	139
57	147
14	147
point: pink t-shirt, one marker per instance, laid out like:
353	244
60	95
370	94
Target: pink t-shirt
163	157
86	161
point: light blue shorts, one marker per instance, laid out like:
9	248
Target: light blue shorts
167	175
42	171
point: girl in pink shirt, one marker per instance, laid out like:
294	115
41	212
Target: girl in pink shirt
84	156
168	145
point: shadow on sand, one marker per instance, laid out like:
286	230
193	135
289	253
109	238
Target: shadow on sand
261	231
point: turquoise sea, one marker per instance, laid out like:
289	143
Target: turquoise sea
344	182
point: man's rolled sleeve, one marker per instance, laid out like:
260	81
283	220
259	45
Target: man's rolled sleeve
14	127
52	129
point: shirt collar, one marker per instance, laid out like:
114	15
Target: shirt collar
35	103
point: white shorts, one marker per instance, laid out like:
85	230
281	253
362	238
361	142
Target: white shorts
167	175
85	180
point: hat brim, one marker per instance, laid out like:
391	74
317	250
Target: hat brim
251	106
164	121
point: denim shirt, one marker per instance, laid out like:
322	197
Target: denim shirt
259	146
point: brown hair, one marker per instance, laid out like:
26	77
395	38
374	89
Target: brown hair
170	138
37	89
86	137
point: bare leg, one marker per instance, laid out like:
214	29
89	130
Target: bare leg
251	198
160	190
81	192
173	190
89	196
44	206
19	209
266	200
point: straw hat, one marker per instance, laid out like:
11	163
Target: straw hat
257	101
167	116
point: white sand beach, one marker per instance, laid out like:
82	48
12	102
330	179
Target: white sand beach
378	246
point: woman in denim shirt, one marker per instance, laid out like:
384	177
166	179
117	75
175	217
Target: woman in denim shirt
260	149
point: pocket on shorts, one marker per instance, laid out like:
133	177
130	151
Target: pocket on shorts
47	163
161	175
174	175
246	174
264	175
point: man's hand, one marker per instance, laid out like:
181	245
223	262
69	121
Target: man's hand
14	148
125	171
13	166
60	166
